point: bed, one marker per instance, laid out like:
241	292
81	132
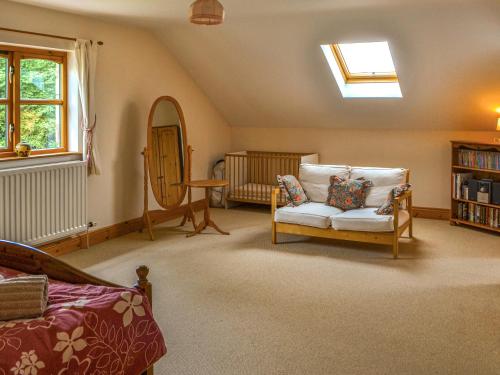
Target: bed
90	326
252	174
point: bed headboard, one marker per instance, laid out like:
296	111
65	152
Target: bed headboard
33	261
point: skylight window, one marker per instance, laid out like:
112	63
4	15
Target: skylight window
363	69
366	61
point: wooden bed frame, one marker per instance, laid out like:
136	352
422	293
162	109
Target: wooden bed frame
385	238
33	261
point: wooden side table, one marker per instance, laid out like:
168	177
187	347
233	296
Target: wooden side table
207	222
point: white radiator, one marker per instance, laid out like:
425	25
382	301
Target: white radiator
43	203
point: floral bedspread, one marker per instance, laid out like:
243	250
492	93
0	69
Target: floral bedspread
86	329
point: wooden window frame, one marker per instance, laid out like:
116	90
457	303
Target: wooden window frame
14	101
360	77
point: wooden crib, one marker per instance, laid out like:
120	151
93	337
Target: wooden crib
252	174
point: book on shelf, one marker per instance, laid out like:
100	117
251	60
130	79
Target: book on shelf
460	188
477	214
479	159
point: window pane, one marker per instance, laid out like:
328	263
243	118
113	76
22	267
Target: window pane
40	79
3	126
367	58
4	64
41	126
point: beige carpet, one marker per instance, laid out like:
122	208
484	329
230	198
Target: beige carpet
239	305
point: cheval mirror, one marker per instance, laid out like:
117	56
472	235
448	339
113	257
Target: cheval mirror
166	158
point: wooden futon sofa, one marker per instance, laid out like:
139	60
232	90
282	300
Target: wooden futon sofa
317	219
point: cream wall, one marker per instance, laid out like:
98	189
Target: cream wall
133	69
425	153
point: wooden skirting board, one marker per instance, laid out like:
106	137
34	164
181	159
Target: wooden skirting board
432	213
78	242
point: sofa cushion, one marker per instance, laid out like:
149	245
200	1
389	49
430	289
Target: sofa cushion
367	220
292	189
347	194
383	180
312	214
315	179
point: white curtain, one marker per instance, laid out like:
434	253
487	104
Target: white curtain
86	61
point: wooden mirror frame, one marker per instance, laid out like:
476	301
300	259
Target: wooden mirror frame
154	184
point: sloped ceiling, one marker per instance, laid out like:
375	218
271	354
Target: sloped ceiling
264	67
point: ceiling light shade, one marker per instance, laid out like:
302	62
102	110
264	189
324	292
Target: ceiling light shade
206	12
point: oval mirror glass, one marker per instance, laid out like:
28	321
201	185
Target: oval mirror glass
166	152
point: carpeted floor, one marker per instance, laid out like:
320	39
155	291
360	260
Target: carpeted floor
239	305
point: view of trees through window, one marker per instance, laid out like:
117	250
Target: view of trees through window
3	95
32	99
40	123
3	126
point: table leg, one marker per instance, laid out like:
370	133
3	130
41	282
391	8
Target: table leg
207	222
189	214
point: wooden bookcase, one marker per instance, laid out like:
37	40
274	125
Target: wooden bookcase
478	173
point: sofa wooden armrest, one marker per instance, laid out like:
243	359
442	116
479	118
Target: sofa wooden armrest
398	229
274	202
406	196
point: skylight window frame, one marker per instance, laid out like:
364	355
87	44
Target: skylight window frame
360	77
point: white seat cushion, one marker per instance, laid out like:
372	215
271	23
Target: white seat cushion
383	179
366	220
315	179
311	214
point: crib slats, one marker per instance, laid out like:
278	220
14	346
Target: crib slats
252	174
261	182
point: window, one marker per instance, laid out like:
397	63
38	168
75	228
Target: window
365	62
32	100
363	70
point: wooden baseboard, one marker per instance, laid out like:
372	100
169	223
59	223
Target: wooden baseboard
432	213
79	241
67	245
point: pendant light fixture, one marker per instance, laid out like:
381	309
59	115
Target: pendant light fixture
206	12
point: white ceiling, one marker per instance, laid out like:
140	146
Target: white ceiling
264	66
148	10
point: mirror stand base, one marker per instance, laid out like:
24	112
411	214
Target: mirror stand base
148	225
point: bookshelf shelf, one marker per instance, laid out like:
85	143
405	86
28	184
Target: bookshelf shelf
478	203
477	225
474	161
475	169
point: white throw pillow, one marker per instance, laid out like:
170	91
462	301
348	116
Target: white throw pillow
383	180
315	179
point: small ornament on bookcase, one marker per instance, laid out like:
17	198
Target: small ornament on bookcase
483	194
465	190
460	182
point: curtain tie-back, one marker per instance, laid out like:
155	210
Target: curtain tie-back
89	139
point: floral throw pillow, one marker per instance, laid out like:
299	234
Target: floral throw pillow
347	194
291	187
388	207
